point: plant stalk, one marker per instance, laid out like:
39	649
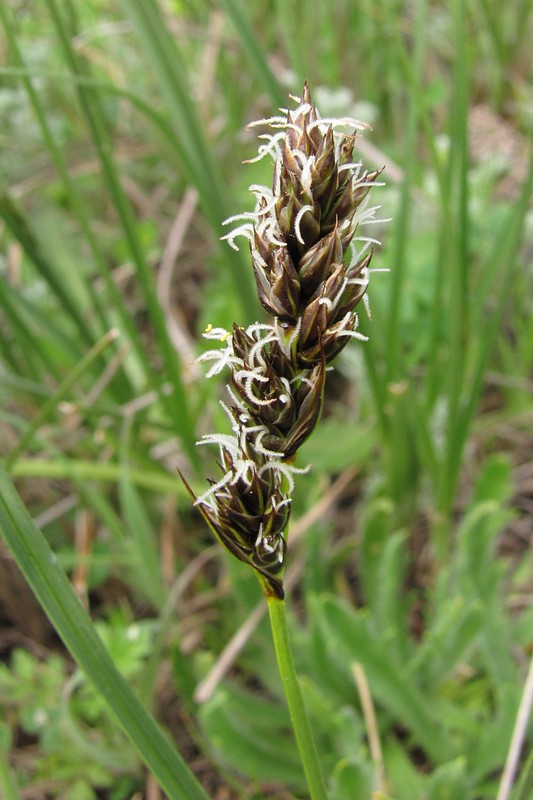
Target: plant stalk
293	692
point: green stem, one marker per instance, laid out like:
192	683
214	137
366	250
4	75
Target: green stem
293	692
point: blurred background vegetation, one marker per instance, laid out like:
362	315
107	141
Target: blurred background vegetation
123	132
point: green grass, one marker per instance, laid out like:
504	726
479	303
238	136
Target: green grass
110	112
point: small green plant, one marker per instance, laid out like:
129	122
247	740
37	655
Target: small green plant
80	748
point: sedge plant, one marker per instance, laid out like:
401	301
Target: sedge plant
311	268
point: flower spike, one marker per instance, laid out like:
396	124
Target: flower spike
310	277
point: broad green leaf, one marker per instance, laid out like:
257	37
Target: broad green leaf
494	482
405	782
333	720
336	684
350	780
251	734
449	782
489	750
480	576
453	627
349	638
376	526
476	538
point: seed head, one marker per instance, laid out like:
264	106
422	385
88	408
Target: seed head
303	229
311	273
247	509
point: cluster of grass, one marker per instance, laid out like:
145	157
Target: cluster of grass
121	155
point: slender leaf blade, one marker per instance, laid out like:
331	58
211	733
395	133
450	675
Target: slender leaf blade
50	584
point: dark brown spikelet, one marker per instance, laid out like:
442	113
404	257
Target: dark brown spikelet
300	248
310	278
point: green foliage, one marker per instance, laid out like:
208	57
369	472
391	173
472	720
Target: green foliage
102	134
52	589
80	747
451	696
252	735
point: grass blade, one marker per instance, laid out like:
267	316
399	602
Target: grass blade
52	402
176	404
50	585
94	470
256	56
201	164
21	231
403	215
